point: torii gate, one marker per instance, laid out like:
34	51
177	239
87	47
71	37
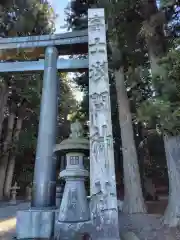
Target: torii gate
102	171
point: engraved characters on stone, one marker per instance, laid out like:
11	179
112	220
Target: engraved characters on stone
98	109
73	199
98	71
101	140
97	46
95	23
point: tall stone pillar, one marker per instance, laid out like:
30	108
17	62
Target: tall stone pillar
44	189
103	202
38	221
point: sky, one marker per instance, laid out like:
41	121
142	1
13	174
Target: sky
59	6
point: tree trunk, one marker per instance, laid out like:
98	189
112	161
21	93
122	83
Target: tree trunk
3	101
133	199
9	177
4	159
172	150
11	163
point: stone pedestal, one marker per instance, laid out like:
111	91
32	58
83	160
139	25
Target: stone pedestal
33	224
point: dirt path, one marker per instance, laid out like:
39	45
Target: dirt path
8	220
147	227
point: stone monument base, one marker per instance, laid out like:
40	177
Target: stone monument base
81	230
64	231
35	224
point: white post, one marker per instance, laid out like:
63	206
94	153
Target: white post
103	203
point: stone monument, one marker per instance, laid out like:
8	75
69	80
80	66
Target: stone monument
103	202
74	208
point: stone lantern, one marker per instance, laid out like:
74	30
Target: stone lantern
74	207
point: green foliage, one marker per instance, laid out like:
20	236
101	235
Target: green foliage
28	138
139	84
23	18
26	18
67	102
163	109
154	100
164	3
171	63
26	175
